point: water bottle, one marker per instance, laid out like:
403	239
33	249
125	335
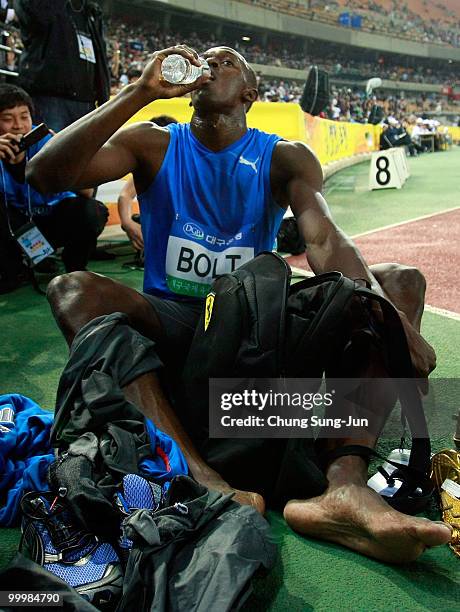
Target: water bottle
179	71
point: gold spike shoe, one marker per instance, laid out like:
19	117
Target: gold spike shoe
445	474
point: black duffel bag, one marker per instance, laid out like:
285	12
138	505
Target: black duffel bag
255	324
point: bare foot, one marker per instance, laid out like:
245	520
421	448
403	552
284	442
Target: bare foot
212	480
355	516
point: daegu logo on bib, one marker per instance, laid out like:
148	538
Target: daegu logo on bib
193	230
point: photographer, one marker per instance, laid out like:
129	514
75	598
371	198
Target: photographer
65	219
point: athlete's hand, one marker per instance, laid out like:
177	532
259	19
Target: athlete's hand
422	353
152	83
9	146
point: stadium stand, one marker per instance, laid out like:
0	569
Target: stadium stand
139	40
132	42
414	19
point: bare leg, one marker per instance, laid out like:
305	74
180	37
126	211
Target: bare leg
146	393
349	512
405	286
79	297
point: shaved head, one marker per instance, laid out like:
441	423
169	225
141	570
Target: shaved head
249	73
233	81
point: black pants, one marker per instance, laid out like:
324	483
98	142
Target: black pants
59	112
74	223
278	469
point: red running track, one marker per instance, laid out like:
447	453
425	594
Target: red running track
432	245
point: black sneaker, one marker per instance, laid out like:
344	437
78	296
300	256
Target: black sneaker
52	538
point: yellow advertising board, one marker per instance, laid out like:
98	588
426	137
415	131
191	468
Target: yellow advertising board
330	140
455	133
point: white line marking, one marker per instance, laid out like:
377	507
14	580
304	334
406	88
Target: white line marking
386	227
443	312
301	272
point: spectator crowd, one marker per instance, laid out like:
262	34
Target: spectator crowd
419	20
131	44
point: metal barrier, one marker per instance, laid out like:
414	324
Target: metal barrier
7	49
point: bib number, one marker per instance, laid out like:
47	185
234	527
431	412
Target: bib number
191	267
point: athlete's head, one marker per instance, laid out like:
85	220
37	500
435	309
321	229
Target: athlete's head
233	82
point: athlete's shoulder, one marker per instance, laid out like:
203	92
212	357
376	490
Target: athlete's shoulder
141	130
295	159
294	153
260	134
143	138
177	127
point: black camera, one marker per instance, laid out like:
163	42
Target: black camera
33	137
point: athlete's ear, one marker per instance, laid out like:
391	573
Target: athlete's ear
250	95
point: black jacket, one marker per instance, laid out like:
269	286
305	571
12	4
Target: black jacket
48	65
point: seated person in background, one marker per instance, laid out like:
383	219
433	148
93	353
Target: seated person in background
128	195
66	219
394	135
416	134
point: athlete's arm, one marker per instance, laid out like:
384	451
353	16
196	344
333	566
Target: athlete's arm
94	150
297	172
297	181
125	206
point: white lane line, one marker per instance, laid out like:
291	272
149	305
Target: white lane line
443	312
301	272
386	227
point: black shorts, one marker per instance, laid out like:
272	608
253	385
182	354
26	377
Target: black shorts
179	320
278	469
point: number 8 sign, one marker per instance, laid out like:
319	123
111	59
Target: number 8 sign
388	169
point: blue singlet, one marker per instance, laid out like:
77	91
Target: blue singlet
206	213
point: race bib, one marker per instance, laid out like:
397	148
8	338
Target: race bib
86	48
33	243
195	256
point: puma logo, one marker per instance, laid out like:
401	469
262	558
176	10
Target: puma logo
246	162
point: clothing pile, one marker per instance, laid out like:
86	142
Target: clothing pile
118	524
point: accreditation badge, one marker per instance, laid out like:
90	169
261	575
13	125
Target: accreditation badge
196	255
33	243
86	48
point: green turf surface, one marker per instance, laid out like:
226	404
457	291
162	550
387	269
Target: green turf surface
429	189
309	575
